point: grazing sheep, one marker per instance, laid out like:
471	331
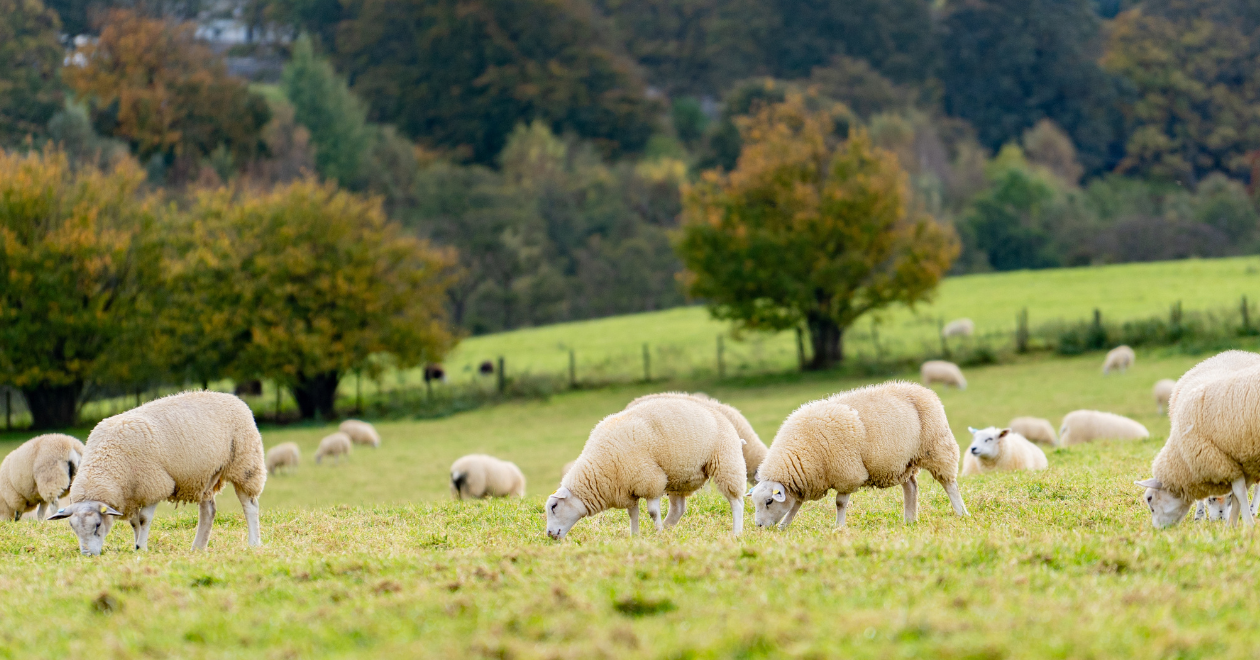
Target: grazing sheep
666	445
337	445
877	436
754	449
1213	446
1035	429
181	448
1119	358
1163	392
477	476
958	328
565	470
283	455
360	433
1081	426
1001	449
37	474
940	371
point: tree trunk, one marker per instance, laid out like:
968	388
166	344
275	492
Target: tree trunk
827	340
317	395
53	406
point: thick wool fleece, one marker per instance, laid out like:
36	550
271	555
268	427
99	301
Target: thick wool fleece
754	449
1080	426
940	371
361	433
40	470
181	448
479	475
1035	429
1215	436
283	455
877	436
657	447
1015	452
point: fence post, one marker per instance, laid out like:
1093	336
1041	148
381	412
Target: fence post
800	348
8	409
721	361
502	378
647	364
1021	331
572	370
1246	326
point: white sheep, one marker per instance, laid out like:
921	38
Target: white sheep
283	455
877	436
1001	449
1119	359
478	475
658	447
754	449
361	433
180	448
1163	392
37	474
940	371
1081	426
1035	429
1213	446
337	445
958	328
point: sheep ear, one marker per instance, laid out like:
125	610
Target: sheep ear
61	513
1151	483
973	430
561	493
107	510
749	493
1003	433
778	494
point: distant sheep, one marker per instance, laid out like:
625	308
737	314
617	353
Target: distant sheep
37	474
1035	429
1119	359
283	455
1081	426
958	328
360	433
476	476
1001	449
1163	392
754	449
336	445
940	371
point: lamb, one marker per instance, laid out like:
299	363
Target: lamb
1162	392
283	455
1119	358
1001	449
662	446
1081	426
478	476
1213	446
37	474
181	448
754	449
361	433
337	445
1035	429
958	328
877	436
940	371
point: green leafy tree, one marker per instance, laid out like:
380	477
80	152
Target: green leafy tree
30	56
1008	223
336	119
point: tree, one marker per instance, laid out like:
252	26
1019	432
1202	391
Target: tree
1007	222
30	55
336	119
808	230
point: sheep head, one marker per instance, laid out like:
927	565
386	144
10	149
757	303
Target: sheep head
91	522
1166	508
986	444
772	501
564	509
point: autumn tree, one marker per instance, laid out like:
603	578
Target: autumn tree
809	230
30	55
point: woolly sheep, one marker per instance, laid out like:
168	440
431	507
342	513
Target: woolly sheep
37	474
1213	446
1119	358
940	371
337	445
959	328
181	448
361	433
754	449
477	476
1035	429
1162	392
1001	449
666	445
283	455
877	436
1081	426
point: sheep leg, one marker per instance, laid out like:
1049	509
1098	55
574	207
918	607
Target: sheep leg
1255	500
42	511
787	520
654	512
842	506
140	522
250	505
955	498
205	519
1240	504
677	506
911	491
633	510
737	514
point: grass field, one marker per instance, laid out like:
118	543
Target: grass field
372	559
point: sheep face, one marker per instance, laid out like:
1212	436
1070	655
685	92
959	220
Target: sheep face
1166	509
987	443
564	509
772	501
91	522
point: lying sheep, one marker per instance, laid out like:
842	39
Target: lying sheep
283	455
1001	449
1163	392
1035	429
754	449
1119	359
877	436
661	446
958	328
940	371
337	445
181	448
37	474
360	433
477	476
1213	446
1081	426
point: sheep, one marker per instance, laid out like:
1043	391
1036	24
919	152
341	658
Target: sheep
181	448
940	371
958	328
337	445
877	436
478	476
1162	392
1081	426
1001	449
754	449
283	455
361	433
37	474
1035	429
666	445
1119	358
1213	445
